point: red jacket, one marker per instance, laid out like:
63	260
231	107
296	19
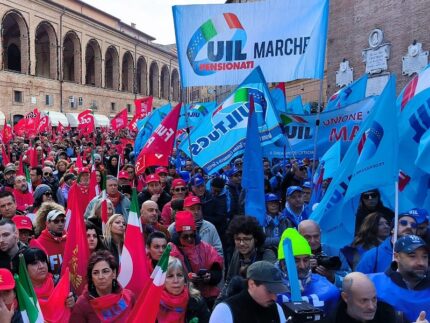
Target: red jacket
54	247
23	200
201	256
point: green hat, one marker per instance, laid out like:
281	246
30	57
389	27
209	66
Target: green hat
299	244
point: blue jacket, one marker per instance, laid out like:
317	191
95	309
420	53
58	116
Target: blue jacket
293	218
410	302
319	292
377	259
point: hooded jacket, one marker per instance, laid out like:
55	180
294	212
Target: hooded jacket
54	247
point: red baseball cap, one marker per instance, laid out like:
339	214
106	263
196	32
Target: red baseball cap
6	280
184	220
161	169
152	178
178	182
22	222
191	200
83	170
123	174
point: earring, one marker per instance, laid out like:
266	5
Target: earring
114	284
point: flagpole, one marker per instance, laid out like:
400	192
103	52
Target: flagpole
317	127
396	211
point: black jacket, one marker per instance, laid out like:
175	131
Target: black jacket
145	196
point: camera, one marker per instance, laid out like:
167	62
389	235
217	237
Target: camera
330	263
299	312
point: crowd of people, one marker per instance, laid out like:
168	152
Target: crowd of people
224	265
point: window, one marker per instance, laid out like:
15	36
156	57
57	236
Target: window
72	101
17	96
80	101
94	105
128	107
112	106
49	100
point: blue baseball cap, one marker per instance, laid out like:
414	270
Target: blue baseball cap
292	189
270	197
233	171
307	184
197	181
420	215
409	244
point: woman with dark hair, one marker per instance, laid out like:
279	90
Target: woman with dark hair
104	296
44	283
112	165
370	201
248	237
93	237
375	229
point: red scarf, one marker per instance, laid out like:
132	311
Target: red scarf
173	308
43	292
115	199
112	307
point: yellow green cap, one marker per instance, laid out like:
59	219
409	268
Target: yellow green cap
299	244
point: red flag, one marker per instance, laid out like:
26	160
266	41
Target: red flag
20	170
20	127
7	133
32	121
32	157
5	156
44	124
54	308
76	252
104	214
143	106
79	163
86	122
160	145
133	123
120	120
93	187
60	128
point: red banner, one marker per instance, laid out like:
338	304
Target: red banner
120	120
44	125
143	106
7	134
160	145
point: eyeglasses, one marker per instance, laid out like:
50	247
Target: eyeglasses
47	174
405	223
238	164
180	189
368	196
56	221
244	240
190	236
47	193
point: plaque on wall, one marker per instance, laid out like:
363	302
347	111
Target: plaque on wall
344	76
376	84
375	57
415	59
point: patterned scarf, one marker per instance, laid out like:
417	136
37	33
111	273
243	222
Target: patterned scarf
112	307
173	308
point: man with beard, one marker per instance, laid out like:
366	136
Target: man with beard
22	195
7	205
153	192
406	284
316	289
9	176
378	259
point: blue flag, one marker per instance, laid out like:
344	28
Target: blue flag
252	175
221	135
295	106
414	177
335	213
279	100
148	126
377	164
331	160
350	94
196	112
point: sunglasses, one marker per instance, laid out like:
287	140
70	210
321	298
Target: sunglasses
190	236
47	174
47	193
405	223
237	175
368	196
180	189
238	164
57	221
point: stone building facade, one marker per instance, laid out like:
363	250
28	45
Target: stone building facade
67	56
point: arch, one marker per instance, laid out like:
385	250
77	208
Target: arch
112	68
93	64
175	86
46	50
154	80
141	76
71	57
165	82
127	72
15	43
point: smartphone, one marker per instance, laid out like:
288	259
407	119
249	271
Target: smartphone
202	272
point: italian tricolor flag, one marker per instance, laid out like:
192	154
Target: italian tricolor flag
148	304
28	179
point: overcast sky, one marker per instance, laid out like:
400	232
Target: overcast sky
153	17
